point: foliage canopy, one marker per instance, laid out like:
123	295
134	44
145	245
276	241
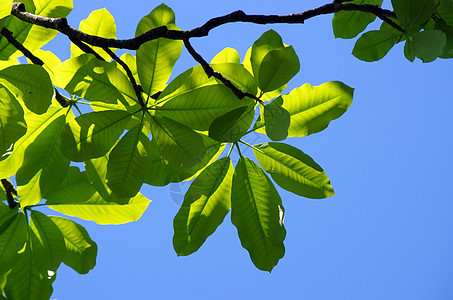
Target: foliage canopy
82	136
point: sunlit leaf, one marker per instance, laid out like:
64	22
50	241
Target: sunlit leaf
13	235
233	125
99	23
12	123
313	107
33	36
77	197
205	205
257	213
81	251
195	100
92	134
44	166
35	125
156	58
30	84
227	55
180	146
293	170
94	80
129	163
268	41
277	68
5	8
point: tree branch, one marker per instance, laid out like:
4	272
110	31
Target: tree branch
211	72
10	190
61	24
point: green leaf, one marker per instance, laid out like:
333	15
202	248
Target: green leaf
13	235
95	80
445	10
44	166
5	8
233	125
12	123
348	24
227	55
270	40
30	84
213	149
96	171
99	23
413	13
409	50
374	45
47	242
195	100
428	44
205	205
161	173
33	36
448	31
238	75
313	107
276	120
77	197
277	68
81	251
294	170
257	213
129	163
34	272
35	125
180	146
156	58
92	134
26	281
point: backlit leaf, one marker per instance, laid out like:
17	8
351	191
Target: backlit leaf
374	45
12	123
205	205
257	213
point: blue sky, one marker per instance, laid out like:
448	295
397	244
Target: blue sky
387	234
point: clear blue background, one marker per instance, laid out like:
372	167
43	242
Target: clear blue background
387	234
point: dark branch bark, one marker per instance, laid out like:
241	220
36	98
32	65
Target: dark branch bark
61	24
211	72
10	190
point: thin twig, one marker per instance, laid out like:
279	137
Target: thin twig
85	48
126	68
211	72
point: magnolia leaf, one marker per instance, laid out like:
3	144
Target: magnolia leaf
293	170
348	24
30	84
374	45
257	213
77	197
233	125
414	13
13	235
156	58
227	55
12	122
129	163
81	251
92	134
180	146
276	120
206	203
428	44
99	23
44	166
